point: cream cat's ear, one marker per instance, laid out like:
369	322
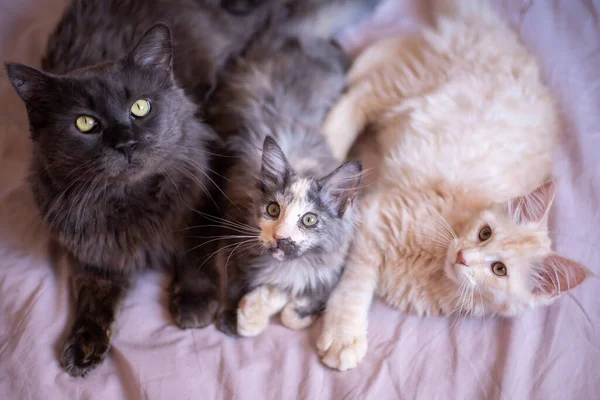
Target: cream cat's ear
342	185
29	82
555	275
154	49
535	206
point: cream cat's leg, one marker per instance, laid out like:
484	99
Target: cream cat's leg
343	341
257	307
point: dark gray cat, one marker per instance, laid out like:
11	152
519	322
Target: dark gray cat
119	156
290	213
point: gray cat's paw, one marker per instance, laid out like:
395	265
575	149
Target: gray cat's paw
227	322
85	348
194	310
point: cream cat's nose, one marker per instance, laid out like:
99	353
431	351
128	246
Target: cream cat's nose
460	259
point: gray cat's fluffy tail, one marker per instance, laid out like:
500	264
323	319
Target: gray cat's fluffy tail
325	18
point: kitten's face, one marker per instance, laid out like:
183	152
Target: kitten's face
504	256
115	121
298	216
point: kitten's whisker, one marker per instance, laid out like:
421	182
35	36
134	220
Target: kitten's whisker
219	220
218	250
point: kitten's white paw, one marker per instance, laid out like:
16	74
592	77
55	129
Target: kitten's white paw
256	308
251	323
291	319
340	348
252	316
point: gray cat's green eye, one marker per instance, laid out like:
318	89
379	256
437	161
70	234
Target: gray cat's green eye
140	108
485	233
273	210
309	219
85	123
499	268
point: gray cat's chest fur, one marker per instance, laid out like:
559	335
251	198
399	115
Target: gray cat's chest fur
298	277
120	226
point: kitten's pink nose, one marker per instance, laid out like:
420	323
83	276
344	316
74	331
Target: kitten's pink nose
460	259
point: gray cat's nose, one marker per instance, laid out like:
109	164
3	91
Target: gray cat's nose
127	149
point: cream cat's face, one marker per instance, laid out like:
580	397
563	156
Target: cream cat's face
503	255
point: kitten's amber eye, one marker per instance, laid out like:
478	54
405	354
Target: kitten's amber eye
140	108
273	210
309	219
485	233
85	123
499	269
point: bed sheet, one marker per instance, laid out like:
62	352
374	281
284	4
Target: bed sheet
549	353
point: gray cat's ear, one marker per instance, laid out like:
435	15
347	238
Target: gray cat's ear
342	185
275	167
535	206
28	82
154	50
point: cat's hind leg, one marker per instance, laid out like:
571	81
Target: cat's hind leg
301	312
257	307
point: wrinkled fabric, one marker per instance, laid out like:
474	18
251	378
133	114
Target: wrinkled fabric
551	353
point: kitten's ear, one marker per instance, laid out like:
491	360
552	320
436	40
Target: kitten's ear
342	185
555	275
275	167
28	82
535	206
154	50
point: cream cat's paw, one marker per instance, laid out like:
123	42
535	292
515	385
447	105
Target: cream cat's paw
291	319
341	348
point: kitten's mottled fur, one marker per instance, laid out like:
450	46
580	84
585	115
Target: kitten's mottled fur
269	105
457	218
116	216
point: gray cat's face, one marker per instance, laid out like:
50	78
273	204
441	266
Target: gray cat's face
115	121
298	216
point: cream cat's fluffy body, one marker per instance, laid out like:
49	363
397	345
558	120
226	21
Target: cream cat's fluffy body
465	131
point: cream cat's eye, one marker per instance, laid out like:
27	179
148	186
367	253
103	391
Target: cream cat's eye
140	108
499	269
309	219
273	210
485	233
85	123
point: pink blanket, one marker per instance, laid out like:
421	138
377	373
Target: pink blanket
547	354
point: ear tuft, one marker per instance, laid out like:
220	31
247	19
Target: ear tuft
27	81
342	185
535	206
154	49
555	275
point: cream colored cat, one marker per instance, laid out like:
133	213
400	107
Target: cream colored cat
456	220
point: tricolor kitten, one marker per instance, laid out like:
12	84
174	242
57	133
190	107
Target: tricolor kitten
457	219
290	206
119	156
